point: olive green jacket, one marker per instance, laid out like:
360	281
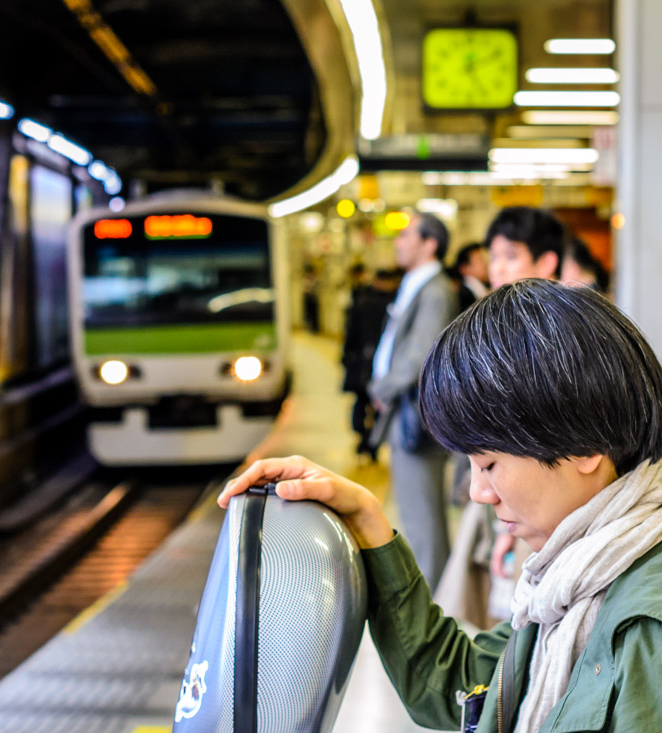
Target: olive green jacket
616	684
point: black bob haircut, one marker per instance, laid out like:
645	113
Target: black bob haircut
538	229
546	371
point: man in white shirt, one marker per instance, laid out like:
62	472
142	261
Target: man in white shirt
424	306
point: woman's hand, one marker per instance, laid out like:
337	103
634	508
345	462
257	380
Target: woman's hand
298	478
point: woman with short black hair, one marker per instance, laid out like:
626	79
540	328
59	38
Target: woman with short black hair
557	399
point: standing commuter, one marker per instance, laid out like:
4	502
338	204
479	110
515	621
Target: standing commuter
471	268
363	328
424	306
524	242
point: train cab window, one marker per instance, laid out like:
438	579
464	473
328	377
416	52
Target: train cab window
137	280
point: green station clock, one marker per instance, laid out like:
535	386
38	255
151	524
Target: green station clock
469	68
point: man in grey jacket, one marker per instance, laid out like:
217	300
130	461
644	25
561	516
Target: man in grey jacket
424	306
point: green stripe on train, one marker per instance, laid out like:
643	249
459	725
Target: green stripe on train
185	339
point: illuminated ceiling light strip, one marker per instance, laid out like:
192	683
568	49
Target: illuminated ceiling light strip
6	111
33	129
546	167
363	24
567	99
572	76
569	117
104	36
580	45
70	150
98	170
543	155
525	132
345	172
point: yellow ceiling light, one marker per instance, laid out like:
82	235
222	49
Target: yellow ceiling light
345	208
105	38
572	76
396	220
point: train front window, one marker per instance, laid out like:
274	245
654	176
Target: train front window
135	280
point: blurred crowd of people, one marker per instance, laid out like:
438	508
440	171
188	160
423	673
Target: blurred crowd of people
393	319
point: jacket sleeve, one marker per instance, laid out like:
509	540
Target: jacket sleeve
435	309
427	657
637	698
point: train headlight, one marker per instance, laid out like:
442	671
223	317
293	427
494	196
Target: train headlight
247	368
114	371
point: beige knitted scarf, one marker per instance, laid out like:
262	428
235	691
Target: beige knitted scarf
562	586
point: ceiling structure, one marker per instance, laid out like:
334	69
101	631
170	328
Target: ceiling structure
260	96
533	24
176	93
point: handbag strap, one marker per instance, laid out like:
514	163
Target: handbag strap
507	686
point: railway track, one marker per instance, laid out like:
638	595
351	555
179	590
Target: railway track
84	548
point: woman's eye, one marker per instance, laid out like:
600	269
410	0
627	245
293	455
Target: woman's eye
489	467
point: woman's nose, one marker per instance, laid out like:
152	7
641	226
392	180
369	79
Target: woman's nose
480	490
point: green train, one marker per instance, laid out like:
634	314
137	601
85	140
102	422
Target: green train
179	328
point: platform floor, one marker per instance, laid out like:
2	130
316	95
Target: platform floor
118	667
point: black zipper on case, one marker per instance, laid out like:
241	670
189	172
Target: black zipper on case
247	609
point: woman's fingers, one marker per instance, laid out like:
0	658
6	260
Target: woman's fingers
297	478
263	472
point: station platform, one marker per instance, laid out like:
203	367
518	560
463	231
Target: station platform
118	667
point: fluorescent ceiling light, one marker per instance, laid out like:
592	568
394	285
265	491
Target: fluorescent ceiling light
98	170
33	129
446	208
567	99
112	183
537	142
580	45
344	173
550	167
70	150
6	111
569	117
572	76
364	26
550	131
543	155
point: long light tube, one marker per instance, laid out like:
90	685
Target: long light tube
580	45
569	117
567	99
543	155
33	129
70	150
6	111
572	76
344	173
363	24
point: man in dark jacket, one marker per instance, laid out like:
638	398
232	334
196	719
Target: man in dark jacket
365	319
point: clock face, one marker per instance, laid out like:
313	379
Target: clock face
469	68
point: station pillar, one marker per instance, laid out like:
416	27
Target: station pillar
639	182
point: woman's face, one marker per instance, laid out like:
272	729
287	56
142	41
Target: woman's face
530	498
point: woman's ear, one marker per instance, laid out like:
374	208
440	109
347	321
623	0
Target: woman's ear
590	464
